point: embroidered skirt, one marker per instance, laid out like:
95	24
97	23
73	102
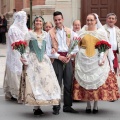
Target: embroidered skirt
108	91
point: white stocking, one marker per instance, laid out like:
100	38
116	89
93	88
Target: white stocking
95	105
88	105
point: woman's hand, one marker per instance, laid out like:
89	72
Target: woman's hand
103	61
53	51
101	64
23	61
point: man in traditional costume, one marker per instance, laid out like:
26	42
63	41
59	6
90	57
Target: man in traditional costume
113	33
60	38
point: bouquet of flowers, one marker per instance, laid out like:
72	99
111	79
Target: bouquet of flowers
19	46
102	46
72	46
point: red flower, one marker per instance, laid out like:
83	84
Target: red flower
102	46
20	46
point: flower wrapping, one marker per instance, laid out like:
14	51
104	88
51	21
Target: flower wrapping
72	46
102	46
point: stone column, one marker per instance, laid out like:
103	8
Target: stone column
0	7
65	6
12	5
76	9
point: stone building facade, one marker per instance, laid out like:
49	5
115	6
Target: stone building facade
45	8
71	9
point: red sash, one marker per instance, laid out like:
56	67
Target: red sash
63	53
115	62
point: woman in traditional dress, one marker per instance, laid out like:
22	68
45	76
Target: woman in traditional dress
96	80
13	70
42	86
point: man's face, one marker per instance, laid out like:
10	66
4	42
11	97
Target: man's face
111	20
58	20
76	26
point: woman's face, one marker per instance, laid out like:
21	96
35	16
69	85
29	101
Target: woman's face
91	21
48	26
38	23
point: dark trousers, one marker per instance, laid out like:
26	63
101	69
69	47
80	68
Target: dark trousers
2	37
66	75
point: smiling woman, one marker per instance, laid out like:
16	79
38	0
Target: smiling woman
96	79
42	87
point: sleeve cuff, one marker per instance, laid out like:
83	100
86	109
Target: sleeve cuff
72	53
56	55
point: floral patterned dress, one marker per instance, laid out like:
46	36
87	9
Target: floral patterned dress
41	85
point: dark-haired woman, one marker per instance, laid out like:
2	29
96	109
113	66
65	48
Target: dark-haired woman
42	87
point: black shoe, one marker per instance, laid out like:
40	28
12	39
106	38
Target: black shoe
76	100
56	112
95	111
56	109
13	99
112	101
38	112
69	109
88	110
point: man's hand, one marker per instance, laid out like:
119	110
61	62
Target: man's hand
62	58
68	58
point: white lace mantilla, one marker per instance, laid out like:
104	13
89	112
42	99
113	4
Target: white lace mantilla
13	56
87	71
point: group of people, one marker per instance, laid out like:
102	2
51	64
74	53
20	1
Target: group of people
36	79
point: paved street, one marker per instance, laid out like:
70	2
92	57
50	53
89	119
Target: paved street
13	111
